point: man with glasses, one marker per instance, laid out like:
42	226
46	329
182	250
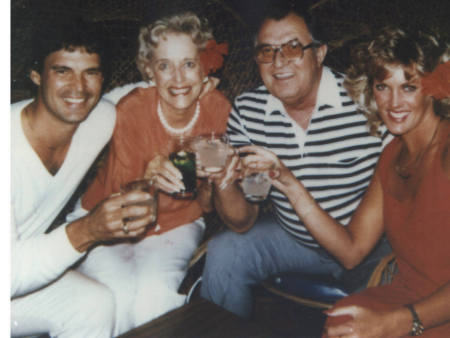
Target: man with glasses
303	118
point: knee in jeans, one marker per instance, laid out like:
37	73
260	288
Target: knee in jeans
220	247
217	255
224	257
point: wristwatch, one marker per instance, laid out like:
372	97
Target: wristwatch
417	326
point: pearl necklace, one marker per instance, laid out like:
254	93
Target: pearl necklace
178	131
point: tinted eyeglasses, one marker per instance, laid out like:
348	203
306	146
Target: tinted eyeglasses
293	49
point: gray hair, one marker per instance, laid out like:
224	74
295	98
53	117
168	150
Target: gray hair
185	23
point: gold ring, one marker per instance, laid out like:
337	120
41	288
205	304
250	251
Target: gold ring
125	227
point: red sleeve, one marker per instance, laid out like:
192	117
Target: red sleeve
218	108
123	162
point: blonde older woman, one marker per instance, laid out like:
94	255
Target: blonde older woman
176	53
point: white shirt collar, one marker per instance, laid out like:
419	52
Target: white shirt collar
327	93
274	104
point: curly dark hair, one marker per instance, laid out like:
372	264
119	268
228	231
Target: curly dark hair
69	34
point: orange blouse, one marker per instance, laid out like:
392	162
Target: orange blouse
138	137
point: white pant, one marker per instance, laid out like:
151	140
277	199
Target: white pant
72	306
146	275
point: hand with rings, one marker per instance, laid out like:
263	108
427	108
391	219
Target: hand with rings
120	216
125	226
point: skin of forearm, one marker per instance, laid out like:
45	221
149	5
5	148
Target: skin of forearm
397	323
233	209
330	234
434	310
79	235
204	197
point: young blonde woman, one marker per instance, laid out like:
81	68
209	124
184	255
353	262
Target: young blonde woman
176	53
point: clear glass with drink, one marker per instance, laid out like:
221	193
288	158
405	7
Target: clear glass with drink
256	185
255	179
212	152
183	158
145	186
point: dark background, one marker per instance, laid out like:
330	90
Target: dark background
343	21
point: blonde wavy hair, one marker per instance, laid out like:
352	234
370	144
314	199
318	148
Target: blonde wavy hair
185	23
417	52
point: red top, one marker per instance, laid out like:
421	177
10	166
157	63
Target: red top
138	137
418	230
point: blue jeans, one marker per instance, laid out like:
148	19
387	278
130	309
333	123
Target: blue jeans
237	262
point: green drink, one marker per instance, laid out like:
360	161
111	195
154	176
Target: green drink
184	161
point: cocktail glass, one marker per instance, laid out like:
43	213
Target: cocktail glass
256	186
212	152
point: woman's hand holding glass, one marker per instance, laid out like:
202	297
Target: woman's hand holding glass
255	180
258	168
164	175
231	173
263	160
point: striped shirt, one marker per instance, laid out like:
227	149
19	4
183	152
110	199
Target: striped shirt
334	158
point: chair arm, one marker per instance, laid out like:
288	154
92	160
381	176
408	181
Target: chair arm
384	271
198	254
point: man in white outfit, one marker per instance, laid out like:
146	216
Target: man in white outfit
55	139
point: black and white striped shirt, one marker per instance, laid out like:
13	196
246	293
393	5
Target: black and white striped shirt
334	158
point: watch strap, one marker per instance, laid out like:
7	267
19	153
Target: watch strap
417	326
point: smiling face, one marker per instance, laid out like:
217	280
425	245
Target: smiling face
401	104
70	84
294	82
177	72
